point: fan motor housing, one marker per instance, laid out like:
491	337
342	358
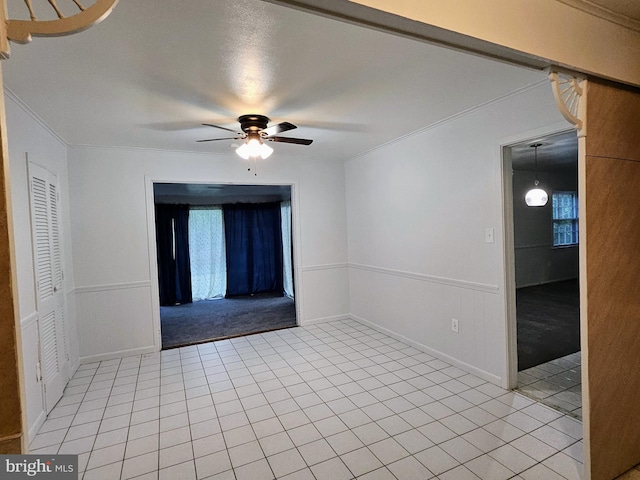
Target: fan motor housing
253	123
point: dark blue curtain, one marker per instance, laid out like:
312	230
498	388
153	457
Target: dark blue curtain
254	248
174	269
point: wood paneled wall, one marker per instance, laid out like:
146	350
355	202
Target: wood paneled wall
611	303
11	433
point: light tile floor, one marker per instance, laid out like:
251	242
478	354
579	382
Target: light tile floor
332	401
633	474
556	383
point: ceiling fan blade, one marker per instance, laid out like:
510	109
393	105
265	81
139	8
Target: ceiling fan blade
297	141
216	139
218	126
279	128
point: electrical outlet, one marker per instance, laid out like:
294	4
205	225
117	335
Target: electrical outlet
454	325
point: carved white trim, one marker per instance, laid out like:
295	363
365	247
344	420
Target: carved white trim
21	31
570	93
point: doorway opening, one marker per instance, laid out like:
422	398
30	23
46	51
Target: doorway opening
225	261
544	284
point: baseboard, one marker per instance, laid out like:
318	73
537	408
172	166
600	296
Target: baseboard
489	377
74	368
33	431
333	318
118	354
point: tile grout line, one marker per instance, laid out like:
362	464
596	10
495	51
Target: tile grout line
337	349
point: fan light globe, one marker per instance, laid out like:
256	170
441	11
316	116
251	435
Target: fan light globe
265	150
536	197
254	148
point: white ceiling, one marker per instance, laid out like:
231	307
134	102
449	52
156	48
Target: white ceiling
555	152
154	70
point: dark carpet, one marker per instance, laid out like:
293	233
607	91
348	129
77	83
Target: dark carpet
548	318
229	317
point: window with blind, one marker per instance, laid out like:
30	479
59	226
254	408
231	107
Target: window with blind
565	218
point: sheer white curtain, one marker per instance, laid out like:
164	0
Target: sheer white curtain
207	252
287	263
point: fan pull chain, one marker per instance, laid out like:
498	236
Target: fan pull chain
255	165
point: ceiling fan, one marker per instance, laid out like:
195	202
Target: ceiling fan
255	132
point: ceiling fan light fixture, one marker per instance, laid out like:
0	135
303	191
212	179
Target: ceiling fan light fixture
265	150
254	148
254	134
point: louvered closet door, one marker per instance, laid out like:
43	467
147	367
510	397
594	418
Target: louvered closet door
47	258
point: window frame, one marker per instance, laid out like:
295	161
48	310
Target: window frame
557	219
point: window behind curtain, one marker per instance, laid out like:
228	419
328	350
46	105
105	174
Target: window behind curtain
172	240
287	261
207	253
565	218
253	233
207	250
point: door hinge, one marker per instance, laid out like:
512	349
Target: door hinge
38	372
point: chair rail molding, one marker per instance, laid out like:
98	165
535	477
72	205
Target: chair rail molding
452	282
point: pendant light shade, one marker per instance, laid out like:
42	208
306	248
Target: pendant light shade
536	197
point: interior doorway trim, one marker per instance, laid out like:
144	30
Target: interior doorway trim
152	248
509	287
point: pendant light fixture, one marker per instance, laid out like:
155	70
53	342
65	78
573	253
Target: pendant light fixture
536	197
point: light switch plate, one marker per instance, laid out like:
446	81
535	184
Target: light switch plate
489	235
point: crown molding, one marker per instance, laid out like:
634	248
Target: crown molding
37	118
593	8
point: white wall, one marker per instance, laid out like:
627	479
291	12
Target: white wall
27	135
414	259
116	283
417	210
537	260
